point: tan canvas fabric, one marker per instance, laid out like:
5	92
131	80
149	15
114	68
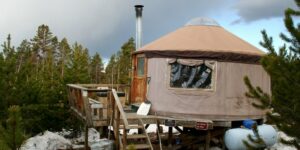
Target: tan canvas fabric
202	41
202	38
226	101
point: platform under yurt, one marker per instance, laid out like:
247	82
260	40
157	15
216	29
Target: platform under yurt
102	107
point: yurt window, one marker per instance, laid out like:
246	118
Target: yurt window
140	66
191	74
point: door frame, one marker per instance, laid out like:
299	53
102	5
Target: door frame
137	94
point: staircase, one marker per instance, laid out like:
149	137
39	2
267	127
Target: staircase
124	141
140	140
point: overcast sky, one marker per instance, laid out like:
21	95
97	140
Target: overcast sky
104	25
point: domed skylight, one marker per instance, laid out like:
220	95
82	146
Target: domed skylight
202	22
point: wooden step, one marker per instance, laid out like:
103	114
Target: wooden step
136	136
139	146
132	127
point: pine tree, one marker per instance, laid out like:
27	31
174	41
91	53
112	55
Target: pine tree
79	65
118	69
64	56
34	75
3	102
22	74
283	68
9	70
96	69
13	134
43	45
124	62
111	70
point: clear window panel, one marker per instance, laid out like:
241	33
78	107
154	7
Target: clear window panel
140	66
183	76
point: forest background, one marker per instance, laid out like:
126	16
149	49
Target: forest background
34	75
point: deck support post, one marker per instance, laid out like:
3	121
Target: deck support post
116	129
158	129
170	133
114	124
86	138
124	138
207	139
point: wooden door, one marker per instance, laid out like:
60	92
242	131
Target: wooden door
138	89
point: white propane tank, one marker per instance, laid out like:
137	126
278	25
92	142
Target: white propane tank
234	137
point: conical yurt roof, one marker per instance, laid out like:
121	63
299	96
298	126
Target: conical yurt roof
202	37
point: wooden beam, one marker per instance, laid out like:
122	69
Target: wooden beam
125	138
222	123
120	108
207	139
116	129
76	86
86	137
146	126
178	129
87	108
170	137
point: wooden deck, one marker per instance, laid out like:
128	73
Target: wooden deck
109	110
152	119
100	112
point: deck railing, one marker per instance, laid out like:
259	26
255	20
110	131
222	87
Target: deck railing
117	114
80	100
82	96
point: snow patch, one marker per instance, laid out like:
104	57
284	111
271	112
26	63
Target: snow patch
280	146
94	136
46	141
53	141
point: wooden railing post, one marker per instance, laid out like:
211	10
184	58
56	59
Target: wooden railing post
119	112
86	137
120	108
117	128
88	115
87	108
113	107
124	138
78	96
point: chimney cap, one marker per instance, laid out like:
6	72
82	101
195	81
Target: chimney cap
139	6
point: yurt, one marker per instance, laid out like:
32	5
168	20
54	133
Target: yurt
197	71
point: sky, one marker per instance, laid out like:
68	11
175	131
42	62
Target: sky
104	25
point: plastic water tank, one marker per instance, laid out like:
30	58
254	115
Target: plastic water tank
234	137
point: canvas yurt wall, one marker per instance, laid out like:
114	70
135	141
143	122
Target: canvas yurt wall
198	70
224	100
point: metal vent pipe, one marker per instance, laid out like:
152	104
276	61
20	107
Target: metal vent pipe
138	34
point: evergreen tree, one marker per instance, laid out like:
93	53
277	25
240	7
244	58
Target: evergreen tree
35	74
43	48
118	69
111	71
3	103
96	68
13	133
79	65
64	56
124	62
283	68
23	74
9	70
